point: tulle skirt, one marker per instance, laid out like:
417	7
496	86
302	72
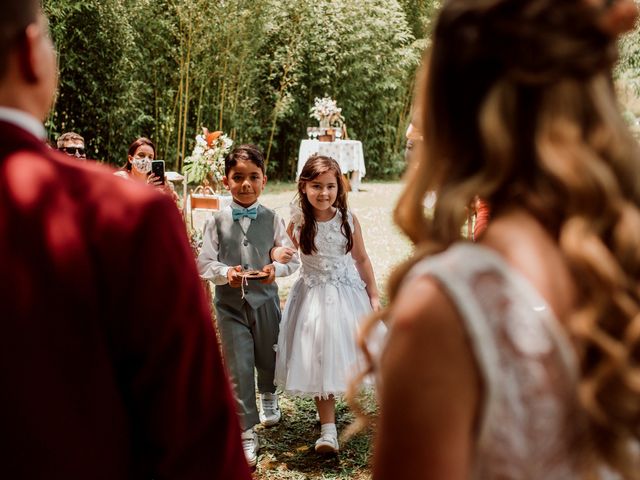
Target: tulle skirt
317	355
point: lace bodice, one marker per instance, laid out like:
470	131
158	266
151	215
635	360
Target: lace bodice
529	423
329	264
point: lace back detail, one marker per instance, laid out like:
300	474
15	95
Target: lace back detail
529	423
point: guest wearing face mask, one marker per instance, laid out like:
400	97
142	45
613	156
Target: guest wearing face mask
138	167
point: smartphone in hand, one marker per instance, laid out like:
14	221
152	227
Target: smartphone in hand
157	168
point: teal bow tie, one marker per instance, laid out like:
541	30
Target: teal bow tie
238	213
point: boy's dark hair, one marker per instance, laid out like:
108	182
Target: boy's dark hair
244	152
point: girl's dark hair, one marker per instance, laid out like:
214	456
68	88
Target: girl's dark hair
316	166
134	146
244	152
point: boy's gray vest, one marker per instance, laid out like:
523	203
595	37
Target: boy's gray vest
252	252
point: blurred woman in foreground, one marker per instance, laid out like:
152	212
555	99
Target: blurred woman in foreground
518	357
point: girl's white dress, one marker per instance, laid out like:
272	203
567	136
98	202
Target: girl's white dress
317	353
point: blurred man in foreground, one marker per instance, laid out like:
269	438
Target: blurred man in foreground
109	366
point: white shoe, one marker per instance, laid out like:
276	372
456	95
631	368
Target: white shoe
269	409
327	443
250	446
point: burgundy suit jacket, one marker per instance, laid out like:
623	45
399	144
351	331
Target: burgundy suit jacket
109	367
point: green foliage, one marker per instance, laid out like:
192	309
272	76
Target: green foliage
98	96
195	172
420	14
628	67
165	68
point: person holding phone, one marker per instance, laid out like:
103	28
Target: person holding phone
142	166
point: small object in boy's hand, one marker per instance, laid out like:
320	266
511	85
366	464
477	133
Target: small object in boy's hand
253	274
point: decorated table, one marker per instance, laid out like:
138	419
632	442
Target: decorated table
348	154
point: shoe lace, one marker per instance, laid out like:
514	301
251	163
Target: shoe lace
248	443
269	404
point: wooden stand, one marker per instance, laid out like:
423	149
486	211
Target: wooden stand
207	202
329	135
203	198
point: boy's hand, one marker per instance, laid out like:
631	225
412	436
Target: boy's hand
232	275
282	254
271	270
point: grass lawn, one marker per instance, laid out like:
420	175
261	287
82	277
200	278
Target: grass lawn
287	449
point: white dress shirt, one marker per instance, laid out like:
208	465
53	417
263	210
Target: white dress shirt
215	271
23	120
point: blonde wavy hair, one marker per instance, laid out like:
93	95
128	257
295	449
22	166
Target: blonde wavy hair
518	107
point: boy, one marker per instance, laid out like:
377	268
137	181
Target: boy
238	238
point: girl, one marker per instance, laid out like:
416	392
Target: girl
517	357
317	344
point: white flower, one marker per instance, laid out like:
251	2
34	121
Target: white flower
208	158
327	109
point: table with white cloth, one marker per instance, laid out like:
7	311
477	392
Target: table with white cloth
348	154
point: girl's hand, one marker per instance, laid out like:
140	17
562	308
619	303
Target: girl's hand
375	303
282	254
235	280
271	270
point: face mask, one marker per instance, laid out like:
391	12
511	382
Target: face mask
143	165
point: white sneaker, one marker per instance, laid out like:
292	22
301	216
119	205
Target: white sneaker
269	409
250	446
327	443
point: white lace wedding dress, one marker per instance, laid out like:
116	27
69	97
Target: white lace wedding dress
317	353
530	426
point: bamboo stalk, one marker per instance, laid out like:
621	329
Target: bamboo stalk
199	117
180	96
224	82
186	99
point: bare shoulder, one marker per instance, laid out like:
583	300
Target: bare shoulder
427	362
426	329
423	304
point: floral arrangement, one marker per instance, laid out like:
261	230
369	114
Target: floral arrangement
326	111
206	162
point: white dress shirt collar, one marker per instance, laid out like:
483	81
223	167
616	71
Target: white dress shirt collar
235	205
23	120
